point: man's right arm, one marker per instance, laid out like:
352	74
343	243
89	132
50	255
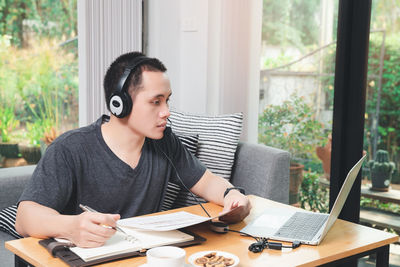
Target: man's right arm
84	230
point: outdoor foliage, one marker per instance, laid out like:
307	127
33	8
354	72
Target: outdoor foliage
8	122
21	19
313	196
292	126
40	85
290	22
38	69
389	111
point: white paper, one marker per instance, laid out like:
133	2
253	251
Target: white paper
166	222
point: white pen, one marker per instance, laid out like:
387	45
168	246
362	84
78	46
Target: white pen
86	208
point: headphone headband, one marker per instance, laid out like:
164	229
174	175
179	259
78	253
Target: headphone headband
129	70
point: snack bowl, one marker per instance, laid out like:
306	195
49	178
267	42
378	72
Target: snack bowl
207	254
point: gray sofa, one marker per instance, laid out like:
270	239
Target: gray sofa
261	170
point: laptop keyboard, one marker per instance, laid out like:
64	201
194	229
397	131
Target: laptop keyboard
302	226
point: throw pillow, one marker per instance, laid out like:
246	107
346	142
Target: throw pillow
173	190
218	139
7	221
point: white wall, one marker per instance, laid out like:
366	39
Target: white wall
211	49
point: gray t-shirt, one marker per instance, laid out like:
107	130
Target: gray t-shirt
79	167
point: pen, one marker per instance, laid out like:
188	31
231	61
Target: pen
86	208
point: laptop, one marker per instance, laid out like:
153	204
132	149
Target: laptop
304	226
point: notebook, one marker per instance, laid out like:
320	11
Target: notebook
304	226
119	246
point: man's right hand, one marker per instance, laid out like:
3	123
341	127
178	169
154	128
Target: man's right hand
88	229
93	229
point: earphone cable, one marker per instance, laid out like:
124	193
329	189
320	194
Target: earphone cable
245	234
177	175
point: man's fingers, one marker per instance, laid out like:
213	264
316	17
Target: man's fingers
98	224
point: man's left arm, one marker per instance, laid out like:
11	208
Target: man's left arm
212	188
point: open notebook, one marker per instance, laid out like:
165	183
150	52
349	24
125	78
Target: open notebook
119	246
118	243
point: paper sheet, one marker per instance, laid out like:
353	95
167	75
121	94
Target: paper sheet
167	222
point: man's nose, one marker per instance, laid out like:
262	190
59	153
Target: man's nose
165	113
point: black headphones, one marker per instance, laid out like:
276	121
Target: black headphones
120	102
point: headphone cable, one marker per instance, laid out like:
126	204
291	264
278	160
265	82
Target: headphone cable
179	178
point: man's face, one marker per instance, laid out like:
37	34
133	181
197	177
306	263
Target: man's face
150	105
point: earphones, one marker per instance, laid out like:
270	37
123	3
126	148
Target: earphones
120	102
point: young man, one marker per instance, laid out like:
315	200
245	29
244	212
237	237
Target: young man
119	165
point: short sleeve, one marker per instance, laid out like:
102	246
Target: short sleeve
51	184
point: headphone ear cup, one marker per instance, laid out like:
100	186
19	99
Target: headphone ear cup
120	104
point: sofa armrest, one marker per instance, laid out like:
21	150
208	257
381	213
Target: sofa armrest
12	183
262	171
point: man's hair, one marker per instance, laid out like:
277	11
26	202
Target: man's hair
116	69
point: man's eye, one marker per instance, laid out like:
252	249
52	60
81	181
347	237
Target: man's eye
156	102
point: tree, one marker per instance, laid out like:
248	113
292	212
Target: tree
17	16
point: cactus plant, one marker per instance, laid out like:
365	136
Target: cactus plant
381	170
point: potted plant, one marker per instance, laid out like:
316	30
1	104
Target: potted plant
32	151
8	122
292	126
381	170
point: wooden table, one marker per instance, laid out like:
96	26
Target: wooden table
345	241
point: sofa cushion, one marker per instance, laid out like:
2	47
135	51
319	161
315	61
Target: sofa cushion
218	139
171	197
7	221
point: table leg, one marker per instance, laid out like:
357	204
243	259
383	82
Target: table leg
382	256
19	262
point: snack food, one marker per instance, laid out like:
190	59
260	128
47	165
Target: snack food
212	260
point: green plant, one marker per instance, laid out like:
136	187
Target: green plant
375	203
313	196
388	130
287	22
42	80
43	17
8	122
36	131
292	126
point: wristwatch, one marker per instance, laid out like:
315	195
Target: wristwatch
241	190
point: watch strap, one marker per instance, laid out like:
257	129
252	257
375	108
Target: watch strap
240	189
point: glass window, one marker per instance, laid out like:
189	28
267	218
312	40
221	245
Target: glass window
382	117
38	76
296	92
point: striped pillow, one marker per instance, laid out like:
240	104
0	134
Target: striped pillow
7	221
218	139
171	198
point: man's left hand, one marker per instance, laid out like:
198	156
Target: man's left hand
235	200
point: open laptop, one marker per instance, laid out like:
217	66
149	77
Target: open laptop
304	226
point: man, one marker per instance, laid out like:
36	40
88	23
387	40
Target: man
119	165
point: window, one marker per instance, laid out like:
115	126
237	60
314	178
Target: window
296	90
38	76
